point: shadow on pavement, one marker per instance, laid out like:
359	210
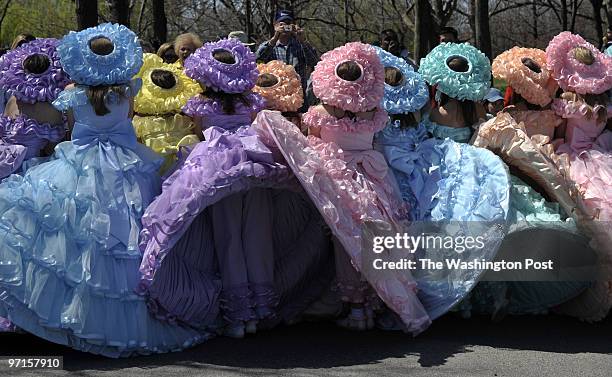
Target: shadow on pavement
323	345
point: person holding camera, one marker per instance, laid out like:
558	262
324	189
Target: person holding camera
288	44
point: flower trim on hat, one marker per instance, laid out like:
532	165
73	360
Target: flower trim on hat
286	94
152	99
535	88
472	85
230	78
30	87
573	75
87	68
363	94
408	97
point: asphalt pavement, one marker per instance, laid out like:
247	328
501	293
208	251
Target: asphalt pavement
517	346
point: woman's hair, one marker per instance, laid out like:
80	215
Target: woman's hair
163	51
97	94
584	55
224	57
101	46
349	71
468	109
458	64
22	39
393	76
601	100
228	100
36	63
531	64
187	38
162	78
266	80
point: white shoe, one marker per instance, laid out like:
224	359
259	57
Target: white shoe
251	327
356	320
234	331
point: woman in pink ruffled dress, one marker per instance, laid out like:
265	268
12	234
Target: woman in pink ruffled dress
585	74
350	182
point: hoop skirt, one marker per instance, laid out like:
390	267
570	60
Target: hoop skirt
69	240
180	272
456	190
357	199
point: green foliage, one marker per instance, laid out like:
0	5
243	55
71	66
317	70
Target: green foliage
50	18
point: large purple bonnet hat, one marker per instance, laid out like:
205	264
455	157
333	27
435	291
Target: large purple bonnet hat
32	87
229	78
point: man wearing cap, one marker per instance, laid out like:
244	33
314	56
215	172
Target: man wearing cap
289	45
494	102
242	37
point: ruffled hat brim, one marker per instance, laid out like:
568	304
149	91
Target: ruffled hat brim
472	85
153	99
536	88
229	78
573	75
363	94
408	97
287	94
87	68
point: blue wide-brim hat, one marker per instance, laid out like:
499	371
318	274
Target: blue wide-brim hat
411	95
88	68
471	85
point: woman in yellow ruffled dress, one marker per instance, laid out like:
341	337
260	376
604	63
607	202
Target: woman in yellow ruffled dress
158	122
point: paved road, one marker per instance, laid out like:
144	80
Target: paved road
518	346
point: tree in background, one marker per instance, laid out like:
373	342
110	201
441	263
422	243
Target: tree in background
86	13
119	11
328	22
160	23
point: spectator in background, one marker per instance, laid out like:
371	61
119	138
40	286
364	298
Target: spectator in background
448	34
389	41
167	53
185	45
22	39
242	37
494	102
289	45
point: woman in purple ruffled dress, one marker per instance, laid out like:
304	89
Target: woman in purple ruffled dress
33	77
218	240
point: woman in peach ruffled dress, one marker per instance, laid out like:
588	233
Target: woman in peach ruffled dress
540	220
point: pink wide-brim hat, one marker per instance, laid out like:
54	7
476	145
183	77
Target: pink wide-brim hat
363	94
573	75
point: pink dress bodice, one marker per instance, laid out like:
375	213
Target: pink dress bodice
583	131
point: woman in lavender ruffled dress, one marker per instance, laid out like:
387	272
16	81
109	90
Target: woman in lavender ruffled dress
33	77
221	248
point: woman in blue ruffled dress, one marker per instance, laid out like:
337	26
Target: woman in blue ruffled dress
69	255
442	181
460	76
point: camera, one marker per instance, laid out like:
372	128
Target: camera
288	28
